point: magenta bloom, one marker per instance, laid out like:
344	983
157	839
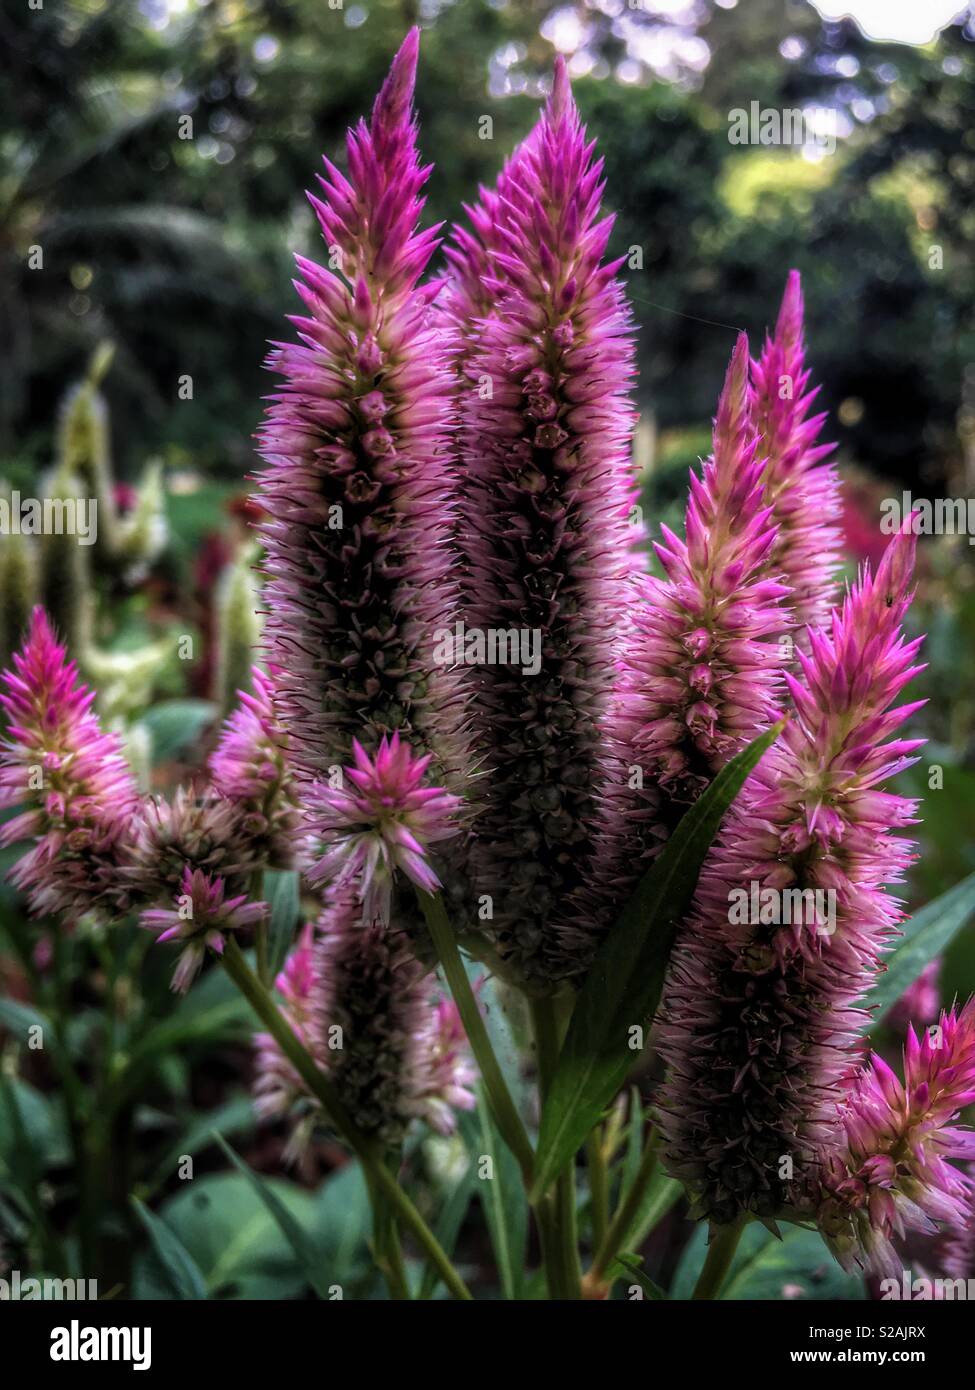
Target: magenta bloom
356	485
361	1002
385	823
202	917
279	1091
800	486
249	770
890	1175
80	804
545	426
759	1022
709	676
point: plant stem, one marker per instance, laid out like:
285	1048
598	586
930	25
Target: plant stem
260	933
721	1250
321	1087
389	1255
598	1186
562	1261
625	1213
499	1097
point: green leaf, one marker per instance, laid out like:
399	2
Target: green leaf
661	1194
447	1229
303	1247
232	1239
179	1269
281	895
630	1266
502	1197
926	935
174	724
796	1267
20	1018
624	985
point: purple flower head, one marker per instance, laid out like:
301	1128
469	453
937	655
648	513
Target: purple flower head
202	917
79	803
384	823
361	1002
545	427
248	769
356	485
279	1091
890	1173
709	677
791	916
801	487
196	830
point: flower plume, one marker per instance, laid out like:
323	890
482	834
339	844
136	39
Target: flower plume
759	1022
544	446
385	822
79	803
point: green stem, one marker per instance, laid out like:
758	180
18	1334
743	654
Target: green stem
724	1243
388	1252
598	1186
562	1258
366	1150
625	1214
499	1097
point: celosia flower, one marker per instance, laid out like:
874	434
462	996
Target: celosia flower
385	822
356	485
361	1002
800	486
709	678
702	673
544	451
759	1024
279	1091
81	804
248	769
197	830
202	916
890	1175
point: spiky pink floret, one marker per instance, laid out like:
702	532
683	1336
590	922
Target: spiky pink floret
362	1004
709	676
79	803
890	1173
545	426
384	823
356	484
801	486
248	768
759	1023
201	917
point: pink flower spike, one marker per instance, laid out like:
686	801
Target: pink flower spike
897	1139
800	483
82	808
385	822
201	917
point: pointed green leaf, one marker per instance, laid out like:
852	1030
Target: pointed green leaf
180	1270
303	1248
630	1266
281	895
926	935
623	987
